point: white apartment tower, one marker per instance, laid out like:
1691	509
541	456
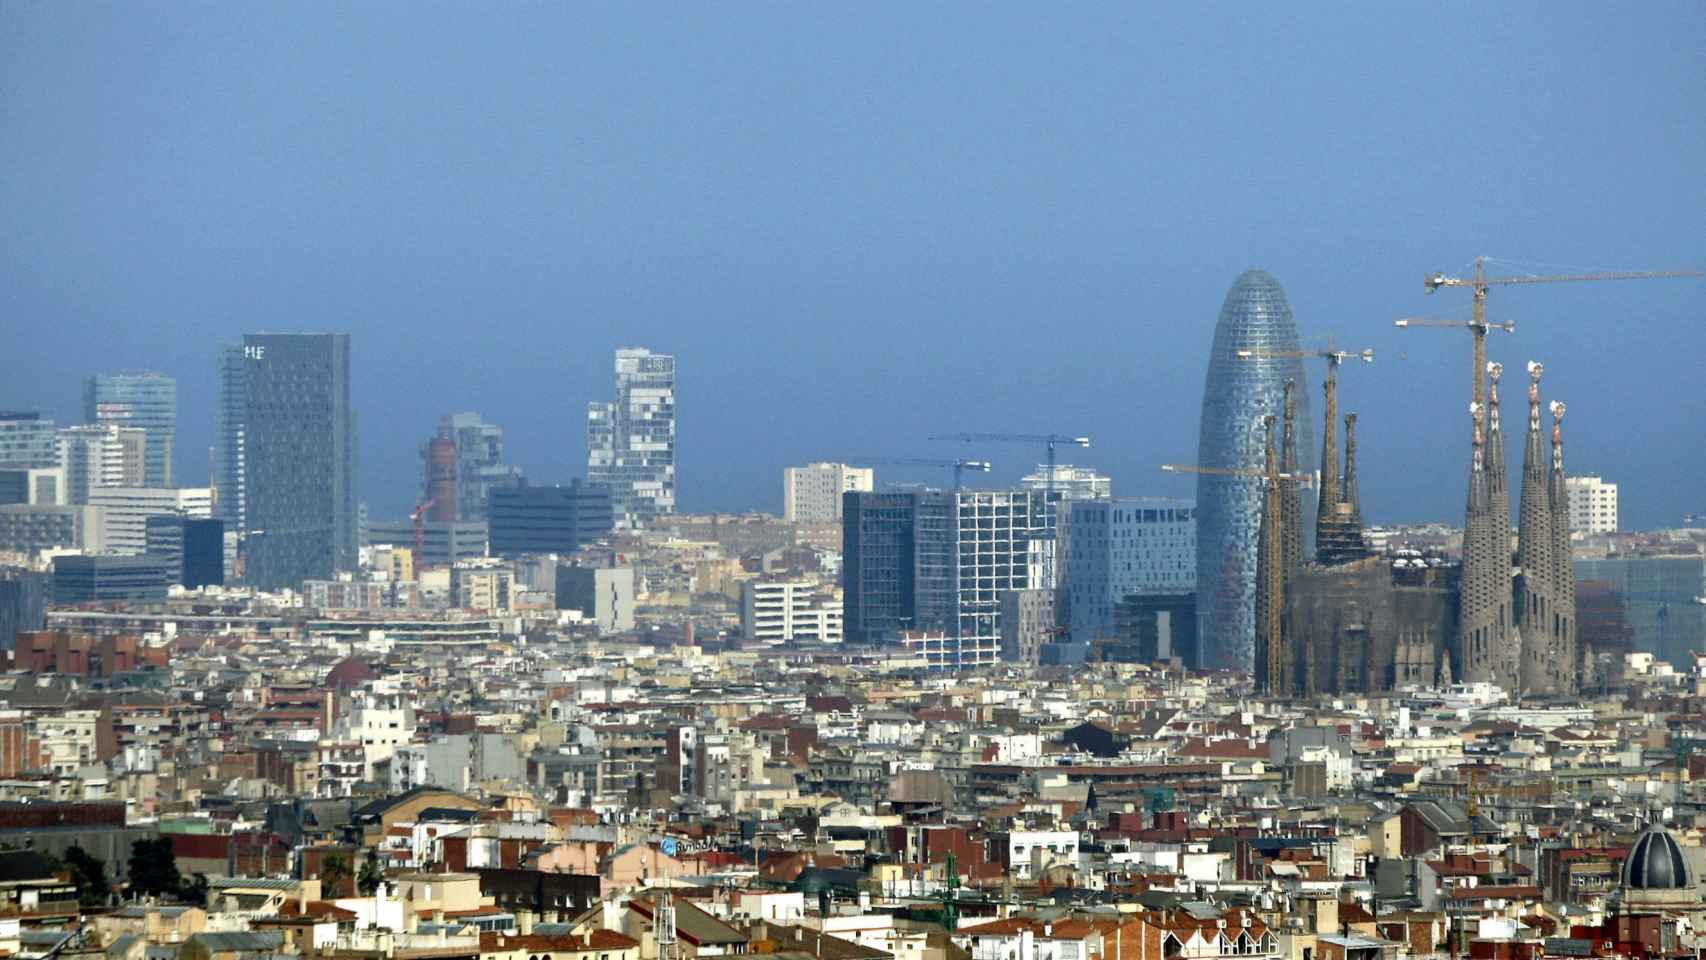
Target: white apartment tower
1593	505
787	611
812	493
630	442
101	455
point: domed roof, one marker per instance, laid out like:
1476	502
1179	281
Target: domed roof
1656	862
348	674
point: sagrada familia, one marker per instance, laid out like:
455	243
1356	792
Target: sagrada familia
1352	622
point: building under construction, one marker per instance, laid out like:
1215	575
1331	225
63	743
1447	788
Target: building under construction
1352	622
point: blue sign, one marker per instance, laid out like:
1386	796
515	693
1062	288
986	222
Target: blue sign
668	846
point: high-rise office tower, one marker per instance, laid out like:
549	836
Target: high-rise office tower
101	455
228	466
812	493
897	563
480	466
1237	393
145	400
1113	549
631	441
27	440
299	458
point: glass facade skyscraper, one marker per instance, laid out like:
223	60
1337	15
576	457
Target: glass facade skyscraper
480	466
630	443
228	467
27	440
299	452
1237	393
145	400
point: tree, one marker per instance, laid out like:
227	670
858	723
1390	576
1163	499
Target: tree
153	868
372	875
194	890
90	876
334	870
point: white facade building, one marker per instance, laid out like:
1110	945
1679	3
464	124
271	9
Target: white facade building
101	455
125	512
1070	482
1001	548
630	441
1593	505
812	493
784	611
1111	549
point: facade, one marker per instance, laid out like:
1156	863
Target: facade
813	493
193	546
480	466
442	544
554	519
1001	548
482	585
604	595
1661	601
631	440
27	440
229	468
98	579
299	458
1237	393
1027	624
1593	505
145	400
101	455
789	611
30	529
1112	549
897	554
125	512
38	486
23	603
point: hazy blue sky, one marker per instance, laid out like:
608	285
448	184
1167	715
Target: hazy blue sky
860	224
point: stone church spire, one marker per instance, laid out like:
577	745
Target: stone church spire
1537	594
1270	576
1291	496
1565	641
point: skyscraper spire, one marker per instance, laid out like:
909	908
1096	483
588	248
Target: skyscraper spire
1568	657
1270	576
1537	594
1324	515
1291	496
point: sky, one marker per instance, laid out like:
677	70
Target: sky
861	225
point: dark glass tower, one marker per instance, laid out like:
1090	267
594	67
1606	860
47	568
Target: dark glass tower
1237	393
299	451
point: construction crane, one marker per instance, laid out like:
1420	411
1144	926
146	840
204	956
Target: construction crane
1479	282
959	467
418	518
1303	479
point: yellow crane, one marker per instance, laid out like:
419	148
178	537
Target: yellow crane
1479	282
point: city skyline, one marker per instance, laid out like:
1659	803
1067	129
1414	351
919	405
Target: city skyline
924	215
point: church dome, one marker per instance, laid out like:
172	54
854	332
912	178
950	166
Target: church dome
1656	862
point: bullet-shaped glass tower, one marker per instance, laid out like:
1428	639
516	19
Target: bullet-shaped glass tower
1237	393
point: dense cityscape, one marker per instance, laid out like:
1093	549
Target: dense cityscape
249	710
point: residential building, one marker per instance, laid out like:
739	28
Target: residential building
1027	624
125	512
194	546
145	400
789	611
1593	505
631	440
27	440
299	458
813	493
482	585
101	455
554	519
480	466
603	595
1112	549
97	579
